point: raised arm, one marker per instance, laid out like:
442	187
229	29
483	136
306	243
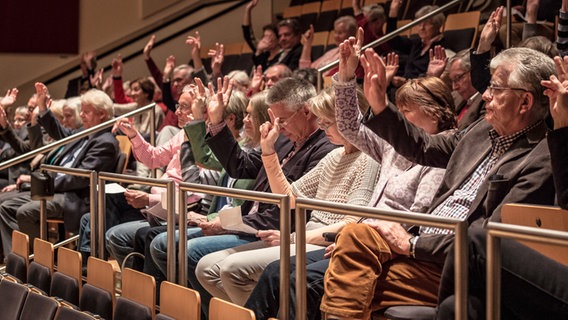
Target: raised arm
306	56
152	67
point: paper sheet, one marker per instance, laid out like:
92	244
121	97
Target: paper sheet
232	220
114	188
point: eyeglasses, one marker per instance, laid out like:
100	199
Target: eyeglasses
286	122
182	107
459	78
491	89
325	125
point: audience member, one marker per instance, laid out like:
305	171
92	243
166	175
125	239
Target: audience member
96	152
289	36
272	75
416	49
267	50
524	272
345	175
306	146
498	160
402	185
372	20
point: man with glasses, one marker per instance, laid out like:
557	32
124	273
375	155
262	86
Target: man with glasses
499	159
472	106
304	147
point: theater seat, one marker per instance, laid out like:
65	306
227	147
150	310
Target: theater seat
410	313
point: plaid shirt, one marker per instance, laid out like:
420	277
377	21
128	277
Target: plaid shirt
458	204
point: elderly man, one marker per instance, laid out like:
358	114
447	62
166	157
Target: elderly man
289	36
472	106
97	151
305	147
500	159
522	268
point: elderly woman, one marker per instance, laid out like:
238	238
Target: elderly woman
416	49
345	175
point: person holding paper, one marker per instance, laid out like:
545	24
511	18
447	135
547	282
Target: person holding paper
345	175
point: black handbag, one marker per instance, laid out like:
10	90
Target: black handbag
42	186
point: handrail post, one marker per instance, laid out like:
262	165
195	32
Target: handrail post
171	230
42	219
101	223
460	270
301	304
285	258
493	287
153	136
182	244
93	179
509	24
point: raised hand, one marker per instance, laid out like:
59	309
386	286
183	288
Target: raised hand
269	132
391	66
117	66
169	68
217	56
97	79
126	127
198	100
309	35
374	85
251	4
218	102
270	237
3	119
9	98
148	47
257	79
490	30
349	54
43	99
194	42
557	92
438	61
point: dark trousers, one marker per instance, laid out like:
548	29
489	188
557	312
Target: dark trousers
532	285
264	299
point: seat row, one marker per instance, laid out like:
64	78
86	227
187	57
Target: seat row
33	290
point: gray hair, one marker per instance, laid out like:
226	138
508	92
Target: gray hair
291	92
463	58
350	24
437	20
100	101
74	104
528	68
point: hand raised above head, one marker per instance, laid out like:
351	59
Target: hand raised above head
374	85
218	102
391	66
117	66
349	54
9	98
149	46
438	61
43	98
490	30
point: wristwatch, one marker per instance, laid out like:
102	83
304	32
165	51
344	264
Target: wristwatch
412	242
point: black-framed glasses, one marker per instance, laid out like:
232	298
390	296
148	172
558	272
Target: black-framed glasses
492	88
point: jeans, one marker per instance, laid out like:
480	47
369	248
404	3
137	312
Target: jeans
117	211
264	299
532	285
198	246
120	239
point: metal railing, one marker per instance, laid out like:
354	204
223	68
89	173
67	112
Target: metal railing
460	248
281	200
495	231
92	176
395	33
169	185
84	133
